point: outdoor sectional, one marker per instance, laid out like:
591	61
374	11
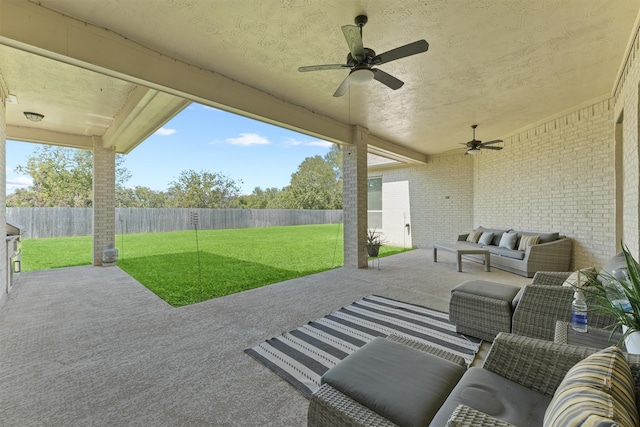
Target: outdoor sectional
551	253
514	387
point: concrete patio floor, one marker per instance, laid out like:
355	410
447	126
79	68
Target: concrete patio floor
91	346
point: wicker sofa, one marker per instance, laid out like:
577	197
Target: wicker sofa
520	373
552	253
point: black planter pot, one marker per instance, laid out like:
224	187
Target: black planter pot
373	249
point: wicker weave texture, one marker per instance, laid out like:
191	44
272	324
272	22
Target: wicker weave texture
536	364
329	407
550	278
428	349
552	256
539	309
464	416
479	316
546	301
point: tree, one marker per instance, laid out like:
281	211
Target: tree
62	177
140	197
317	184
259	198
202	190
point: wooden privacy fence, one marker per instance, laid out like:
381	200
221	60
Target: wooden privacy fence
62	222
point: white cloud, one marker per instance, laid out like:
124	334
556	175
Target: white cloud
319	143
247	139
293	142
315	143
19	182
165	132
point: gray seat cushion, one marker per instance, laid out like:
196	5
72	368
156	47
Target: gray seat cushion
486	289
509	253
405	385
495	395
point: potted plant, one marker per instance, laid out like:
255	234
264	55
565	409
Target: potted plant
618	296
374	242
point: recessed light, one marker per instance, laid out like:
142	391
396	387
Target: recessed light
34	117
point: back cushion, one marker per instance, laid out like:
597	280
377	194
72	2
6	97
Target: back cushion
597	391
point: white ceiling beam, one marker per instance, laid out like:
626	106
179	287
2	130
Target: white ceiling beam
130	126
42	136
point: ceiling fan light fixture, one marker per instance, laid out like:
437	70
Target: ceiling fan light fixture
34	117
473	151
361	76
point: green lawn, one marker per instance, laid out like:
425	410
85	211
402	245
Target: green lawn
228	261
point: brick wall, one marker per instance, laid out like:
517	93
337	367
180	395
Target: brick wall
626	110
3	202
558	176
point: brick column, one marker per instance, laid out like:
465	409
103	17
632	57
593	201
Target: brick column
354	172
104	199
4	267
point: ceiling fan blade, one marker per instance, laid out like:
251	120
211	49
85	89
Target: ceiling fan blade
354	40
495	141
488	147
400	52
323	67
387	79
342	89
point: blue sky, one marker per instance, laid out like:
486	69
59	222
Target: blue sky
204	138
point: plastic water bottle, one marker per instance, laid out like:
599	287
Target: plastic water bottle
579	312
617	296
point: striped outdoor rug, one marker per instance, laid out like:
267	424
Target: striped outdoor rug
303	355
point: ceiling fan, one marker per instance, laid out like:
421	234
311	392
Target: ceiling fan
361	60
475	145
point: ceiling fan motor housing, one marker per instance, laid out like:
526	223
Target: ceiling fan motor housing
361	20
368	54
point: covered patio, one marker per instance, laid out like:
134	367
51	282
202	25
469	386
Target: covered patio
556	81
91	346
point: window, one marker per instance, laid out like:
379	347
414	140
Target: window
374	207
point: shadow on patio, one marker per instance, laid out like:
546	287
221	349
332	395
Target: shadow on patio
91	346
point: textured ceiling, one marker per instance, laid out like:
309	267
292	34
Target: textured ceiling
76	101
502	63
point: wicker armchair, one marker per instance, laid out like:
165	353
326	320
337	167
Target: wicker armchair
546	301
533	363
536	364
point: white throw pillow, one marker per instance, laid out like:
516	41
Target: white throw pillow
508	240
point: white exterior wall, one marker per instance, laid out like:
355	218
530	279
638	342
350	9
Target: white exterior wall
396	210
437	198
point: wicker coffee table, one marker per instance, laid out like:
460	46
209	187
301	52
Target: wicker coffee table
460	250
